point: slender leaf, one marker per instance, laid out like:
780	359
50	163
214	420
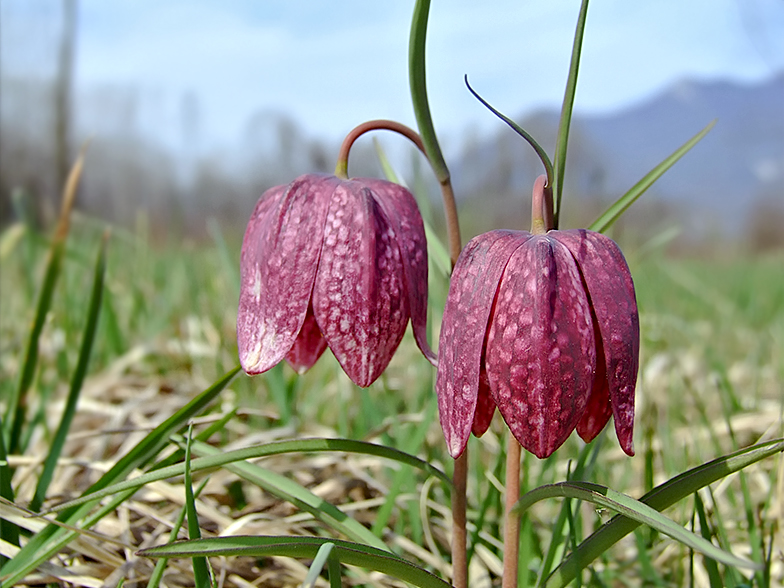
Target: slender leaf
661	497
540	152
9	532
88	337
612	214
17	405
52	538
318	565
418	84
633	509
335	573
299	496
349	553
201	573
710	565
565	122
160	565
257	451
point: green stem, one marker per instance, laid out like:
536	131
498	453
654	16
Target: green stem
418	83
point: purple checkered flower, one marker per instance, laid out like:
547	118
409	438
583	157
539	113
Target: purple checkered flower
544	327
328	262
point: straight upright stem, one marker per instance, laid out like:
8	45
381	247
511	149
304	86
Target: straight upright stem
512	526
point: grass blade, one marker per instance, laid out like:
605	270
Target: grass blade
246	453
565	122
612	214
299	496
201	574
710	565
318	564
635	510
51	539
90	328
661	497
17	404
160	566
9	532
349	553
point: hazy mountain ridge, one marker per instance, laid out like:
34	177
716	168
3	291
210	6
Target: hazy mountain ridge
740	162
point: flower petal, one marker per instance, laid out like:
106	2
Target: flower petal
598	410
308	346
472	290
611	292
402	211
541	352
359	294
485	407
280	254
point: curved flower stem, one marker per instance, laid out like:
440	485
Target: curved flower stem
341	169
450	209
418	84
512	524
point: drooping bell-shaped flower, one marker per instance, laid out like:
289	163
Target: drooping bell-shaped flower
544	327
331	262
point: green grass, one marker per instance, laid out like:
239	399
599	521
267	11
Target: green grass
711	376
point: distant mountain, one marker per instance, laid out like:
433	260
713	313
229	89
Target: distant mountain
740	162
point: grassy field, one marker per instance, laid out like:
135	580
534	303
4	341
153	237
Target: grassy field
711	382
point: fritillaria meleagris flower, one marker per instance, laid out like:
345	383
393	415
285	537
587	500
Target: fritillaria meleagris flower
544	327
335	263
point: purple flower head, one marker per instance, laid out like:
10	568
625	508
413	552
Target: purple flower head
332	263
545	328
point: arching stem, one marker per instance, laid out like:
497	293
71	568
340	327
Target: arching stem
341	169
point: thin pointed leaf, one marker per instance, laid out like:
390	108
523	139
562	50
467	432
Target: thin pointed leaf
335	573
15	412
635	510
418	84
201	574
299	496
318	565
51	539
540	152
246	453
9	532
90	328
302	547
710	565
565	122
661	497
612	214
160	565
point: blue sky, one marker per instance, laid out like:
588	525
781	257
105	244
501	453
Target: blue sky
331	65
